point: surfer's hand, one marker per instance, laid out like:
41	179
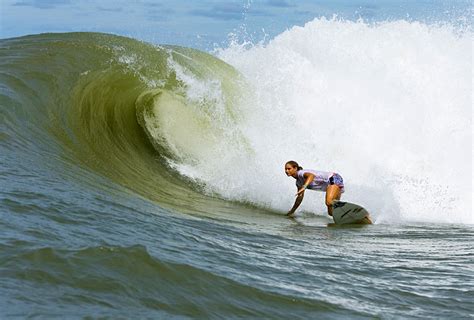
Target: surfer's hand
290	214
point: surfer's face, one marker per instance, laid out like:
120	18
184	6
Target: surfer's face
290	170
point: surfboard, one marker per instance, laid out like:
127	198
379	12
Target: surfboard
349	213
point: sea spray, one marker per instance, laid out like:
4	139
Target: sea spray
386	105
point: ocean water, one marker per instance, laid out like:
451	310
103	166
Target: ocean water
146	181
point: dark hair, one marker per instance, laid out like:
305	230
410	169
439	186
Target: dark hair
294	164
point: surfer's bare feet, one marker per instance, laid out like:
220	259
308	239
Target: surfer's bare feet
330	210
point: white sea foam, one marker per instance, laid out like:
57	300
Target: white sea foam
388	106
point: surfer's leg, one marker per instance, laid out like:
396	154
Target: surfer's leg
333	192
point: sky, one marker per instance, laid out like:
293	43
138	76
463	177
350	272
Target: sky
207	23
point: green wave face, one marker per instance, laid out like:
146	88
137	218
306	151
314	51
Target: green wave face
125	109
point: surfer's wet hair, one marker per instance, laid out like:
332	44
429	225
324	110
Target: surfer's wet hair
294	164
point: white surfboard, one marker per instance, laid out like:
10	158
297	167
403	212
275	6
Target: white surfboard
349	213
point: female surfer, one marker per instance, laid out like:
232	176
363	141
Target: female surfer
330	182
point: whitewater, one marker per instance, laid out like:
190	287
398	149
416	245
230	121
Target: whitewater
387	105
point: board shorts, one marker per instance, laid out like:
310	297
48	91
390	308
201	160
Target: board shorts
337	180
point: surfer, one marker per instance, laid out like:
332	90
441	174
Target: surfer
330	182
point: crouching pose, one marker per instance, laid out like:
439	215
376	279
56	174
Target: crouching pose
329	182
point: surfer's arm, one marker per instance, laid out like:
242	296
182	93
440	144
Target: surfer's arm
299	199
309	178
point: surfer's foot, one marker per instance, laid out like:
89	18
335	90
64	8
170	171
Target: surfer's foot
330	210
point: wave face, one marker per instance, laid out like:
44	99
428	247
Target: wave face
119	108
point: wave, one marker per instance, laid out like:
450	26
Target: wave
84	101
386	105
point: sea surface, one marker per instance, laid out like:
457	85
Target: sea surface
146	181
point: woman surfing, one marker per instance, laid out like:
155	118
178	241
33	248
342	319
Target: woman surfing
329	182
